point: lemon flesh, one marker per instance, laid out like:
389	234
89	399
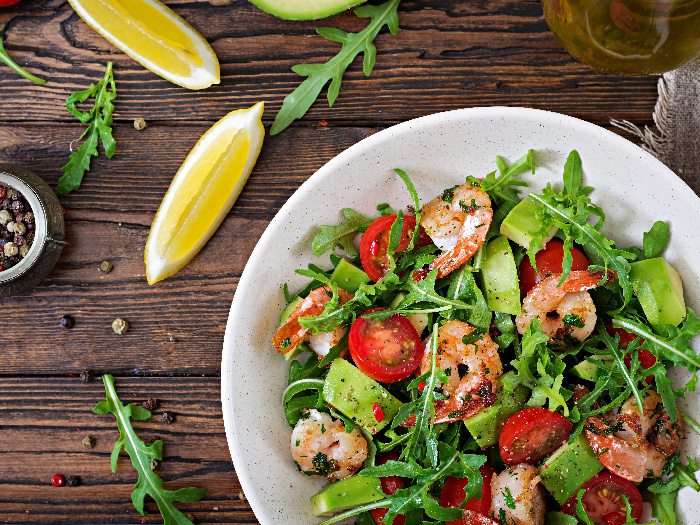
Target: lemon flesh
203	191
157	38
304	9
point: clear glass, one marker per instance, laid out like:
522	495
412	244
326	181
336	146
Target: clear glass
627	37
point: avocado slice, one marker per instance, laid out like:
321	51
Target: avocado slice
486	425
345	494
587	370
500	277
659	288
419	321
521	221
571	465
353	394
304	9
348	276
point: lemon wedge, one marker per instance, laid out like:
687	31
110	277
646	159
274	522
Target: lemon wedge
203	191
153	35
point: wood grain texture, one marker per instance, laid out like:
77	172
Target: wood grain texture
448	54
43	423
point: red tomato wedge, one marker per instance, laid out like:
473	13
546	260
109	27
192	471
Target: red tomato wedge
375	242
387	350
549	260
474	518
601	499
390	484
453	495
646	358
532	434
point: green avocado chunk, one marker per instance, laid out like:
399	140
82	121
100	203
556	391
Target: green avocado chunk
587	370
500	277
571	465
353	394
659	288
304	9
521	221
348	276
486	425
345	494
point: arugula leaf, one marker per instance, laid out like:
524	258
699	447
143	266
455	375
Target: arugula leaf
420	291
662	494
504	187
416	205
149	483
300	100
99	129
342	235
655	240
4	57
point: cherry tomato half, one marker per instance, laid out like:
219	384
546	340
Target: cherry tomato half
453	494
386	350
549	260
646	358
602	500
390	484
532	434
375	242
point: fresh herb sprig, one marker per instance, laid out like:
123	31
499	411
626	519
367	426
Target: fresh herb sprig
5	58
297	103
99	130
149	483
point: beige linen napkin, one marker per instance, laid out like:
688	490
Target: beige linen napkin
676	141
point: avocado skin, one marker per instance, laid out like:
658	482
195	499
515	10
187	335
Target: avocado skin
345	494
659	288
571	465
485	427
354	394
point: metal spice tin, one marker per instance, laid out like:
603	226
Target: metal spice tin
49	236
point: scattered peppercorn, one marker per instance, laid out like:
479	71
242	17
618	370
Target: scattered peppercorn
151	404
67	321
87	376
140	124
241	496
120	326
168	417
72	481
155	464
57	480
10	249
106	266
88	441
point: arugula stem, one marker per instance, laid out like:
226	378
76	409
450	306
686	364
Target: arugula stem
16	68
357	510
690	422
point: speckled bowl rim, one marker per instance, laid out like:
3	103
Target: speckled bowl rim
246	367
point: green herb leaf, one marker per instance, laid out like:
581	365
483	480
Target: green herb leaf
300	100
342	235
4	57
655	240
99	129
149	483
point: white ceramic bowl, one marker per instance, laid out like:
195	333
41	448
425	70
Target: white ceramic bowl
436	151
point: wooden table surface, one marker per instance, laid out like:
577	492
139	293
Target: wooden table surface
447	54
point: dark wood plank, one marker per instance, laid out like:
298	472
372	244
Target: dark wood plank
447	55
45	420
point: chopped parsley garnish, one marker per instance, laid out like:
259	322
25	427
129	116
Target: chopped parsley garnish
573	320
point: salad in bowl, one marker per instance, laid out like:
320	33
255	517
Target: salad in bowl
489	356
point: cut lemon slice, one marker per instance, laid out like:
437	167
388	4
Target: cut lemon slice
203	191
154	36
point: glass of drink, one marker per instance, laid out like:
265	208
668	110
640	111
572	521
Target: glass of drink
627	37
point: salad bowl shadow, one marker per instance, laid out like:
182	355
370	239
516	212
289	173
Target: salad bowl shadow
437	151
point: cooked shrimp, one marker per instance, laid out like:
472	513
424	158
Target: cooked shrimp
522	483
291	333
457	222
469	390
634	444
564	311
321	447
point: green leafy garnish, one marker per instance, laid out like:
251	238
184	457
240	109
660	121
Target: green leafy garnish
4	57
655	240
300	100
99	130
342	235
149	483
